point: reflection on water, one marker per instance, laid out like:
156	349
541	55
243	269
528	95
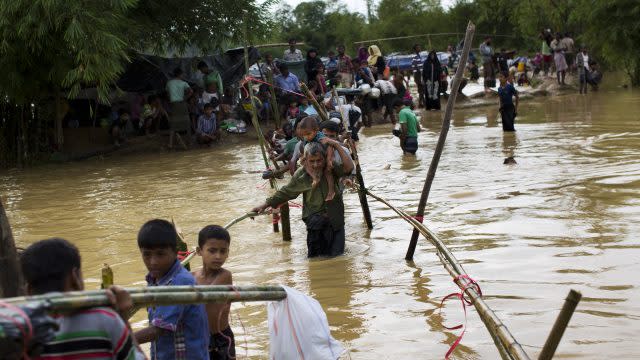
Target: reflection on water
566	216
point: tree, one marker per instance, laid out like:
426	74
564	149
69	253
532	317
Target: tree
613	33
51	46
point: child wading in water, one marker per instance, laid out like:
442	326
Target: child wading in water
310	132
213	246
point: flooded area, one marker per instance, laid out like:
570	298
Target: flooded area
566	216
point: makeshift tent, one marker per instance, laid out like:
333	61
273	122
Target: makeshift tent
147	73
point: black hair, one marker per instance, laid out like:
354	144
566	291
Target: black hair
208	105
213	232
158	233
349	98
292	40
398	102
202	64
47	263
283	67
415	46
309	123
177	72
122	111
329	125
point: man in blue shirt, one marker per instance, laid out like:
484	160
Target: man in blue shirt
287	81
508	110
179	332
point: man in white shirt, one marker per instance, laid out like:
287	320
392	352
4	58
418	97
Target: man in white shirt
292	54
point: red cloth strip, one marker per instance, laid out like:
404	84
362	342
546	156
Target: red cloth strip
464	301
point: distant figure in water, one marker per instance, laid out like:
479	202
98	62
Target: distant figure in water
510	161
508	110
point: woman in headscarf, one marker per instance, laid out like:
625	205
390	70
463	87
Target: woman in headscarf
431	70
311	65
376	61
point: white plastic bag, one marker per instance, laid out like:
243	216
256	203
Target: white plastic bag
299	330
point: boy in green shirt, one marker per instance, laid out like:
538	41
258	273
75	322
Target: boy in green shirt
409	127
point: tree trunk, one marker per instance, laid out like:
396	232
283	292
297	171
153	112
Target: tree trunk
11	275
59	118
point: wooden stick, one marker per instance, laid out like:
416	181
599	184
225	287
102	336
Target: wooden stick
276	45
570	304
275	108
362	190
424	35
60	302
321	111
446	120
11	274
504	340
256	124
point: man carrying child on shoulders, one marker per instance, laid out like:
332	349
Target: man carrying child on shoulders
324	219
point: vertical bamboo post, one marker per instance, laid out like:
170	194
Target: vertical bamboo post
275	108
321	111
11	274
362	189
570	304
446	120
254	119
107	276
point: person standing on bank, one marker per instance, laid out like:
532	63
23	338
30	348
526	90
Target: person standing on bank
292	54
179	91
582	65
487	63
416	67
508	110
324	219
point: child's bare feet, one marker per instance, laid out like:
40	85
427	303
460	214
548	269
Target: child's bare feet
331	194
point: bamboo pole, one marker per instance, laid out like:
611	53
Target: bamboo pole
275	108
446	120
151	289
550	346
425	35
321	111
504	340
256	124
143	298
277	45
362	190
11	274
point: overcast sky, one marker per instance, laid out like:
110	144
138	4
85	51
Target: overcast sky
360	5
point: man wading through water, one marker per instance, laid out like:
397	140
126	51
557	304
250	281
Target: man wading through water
324	219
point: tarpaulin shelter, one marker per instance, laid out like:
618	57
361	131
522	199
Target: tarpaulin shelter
147	73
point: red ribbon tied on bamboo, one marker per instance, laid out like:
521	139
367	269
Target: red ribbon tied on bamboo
471	284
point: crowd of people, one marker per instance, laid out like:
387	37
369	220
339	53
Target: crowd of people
558	56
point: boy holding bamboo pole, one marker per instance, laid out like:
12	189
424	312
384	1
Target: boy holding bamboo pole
213	246
53	265
175	331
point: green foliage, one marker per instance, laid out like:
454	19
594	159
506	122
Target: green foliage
68	44
614	33
610	28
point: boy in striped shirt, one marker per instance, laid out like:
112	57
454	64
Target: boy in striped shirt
99	333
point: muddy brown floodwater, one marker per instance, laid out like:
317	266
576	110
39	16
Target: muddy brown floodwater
566	216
